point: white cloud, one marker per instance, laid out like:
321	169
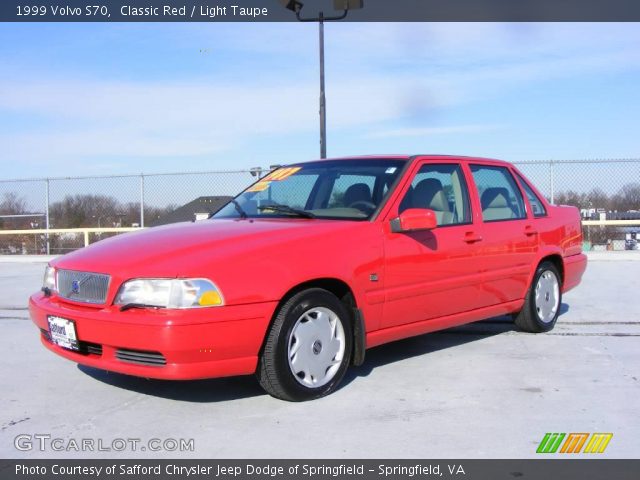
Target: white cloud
429	131
377	75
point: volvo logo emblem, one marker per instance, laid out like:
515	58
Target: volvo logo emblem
75	287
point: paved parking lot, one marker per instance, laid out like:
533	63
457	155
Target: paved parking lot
478	391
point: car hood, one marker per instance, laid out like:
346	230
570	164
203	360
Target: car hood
179	249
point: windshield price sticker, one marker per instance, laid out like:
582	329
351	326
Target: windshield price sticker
259	187
274	176
282	173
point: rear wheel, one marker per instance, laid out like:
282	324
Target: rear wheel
308	348
542	302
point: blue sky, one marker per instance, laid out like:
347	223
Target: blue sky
98	99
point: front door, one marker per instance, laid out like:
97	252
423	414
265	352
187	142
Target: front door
432	273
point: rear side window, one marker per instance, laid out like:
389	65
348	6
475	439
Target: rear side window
500	197
440	188
536	204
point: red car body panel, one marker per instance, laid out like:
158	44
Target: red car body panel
219	342
424	280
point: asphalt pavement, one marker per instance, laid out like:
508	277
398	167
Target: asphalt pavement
479	391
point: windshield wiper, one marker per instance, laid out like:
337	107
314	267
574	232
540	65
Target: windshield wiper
238	208
276	207
129	306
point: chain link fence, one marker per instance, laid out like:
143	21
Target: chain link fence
604	190
107	202
607	189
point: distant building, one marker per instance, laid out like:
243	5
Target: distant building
198	209
630	215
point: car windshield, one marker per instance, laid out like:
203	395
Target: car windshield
336	189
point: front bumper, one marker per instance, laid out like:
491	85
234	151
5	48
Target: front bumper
195	343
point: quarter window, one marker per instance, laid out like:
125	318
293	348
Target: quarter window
440	188
500	197
536	204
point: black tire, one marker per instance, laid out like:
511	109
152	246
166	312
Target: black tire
274	372
528	319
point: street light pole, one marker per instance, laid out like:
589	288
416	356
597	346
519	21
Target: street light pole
323	99
345	6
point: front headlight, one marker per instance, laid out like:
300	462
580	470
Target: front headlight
49	281
170	293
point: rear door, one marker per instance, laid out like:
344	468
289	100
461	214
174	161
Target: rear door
509	243
432	273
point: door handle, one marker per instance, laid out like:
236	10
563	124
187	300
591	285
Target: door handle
472	237
529	230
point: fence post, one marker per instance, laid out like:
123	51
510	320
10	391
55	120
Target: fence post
551	182
46	215
141	200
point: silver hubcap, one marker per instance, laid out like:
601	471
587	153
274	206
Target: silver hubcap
547	296
316	347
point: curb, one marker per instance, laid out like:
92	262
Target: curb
26	258
619	256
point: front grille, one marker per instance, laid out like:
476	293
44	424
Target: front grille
85	287
86	348
91	348
155	359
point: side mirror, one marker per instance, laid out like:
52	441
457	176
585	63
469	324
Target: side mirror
414	219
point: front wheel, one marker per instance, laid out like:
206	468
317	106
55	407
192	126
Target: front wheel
308	348
542	302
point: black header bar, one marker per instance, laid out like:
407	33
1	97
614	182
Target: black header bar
273	11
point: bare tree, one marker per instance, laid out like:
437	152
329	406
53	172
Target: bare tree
628	198
130	213
570	197
12	204
596	198
76	211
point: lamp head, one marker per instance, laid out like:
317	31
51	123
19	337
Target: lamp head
293	5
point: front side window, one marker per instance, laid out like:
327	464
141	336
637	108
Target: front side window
500	197
536	204
440	188
337	189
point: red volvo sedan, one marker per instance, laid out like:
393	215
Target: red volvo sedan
302	272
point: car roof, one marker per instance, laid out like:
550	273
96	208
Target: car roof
428	157
462	158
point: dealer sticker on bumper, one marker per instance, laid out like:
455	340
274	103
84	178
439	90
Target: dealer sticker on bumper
63	332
